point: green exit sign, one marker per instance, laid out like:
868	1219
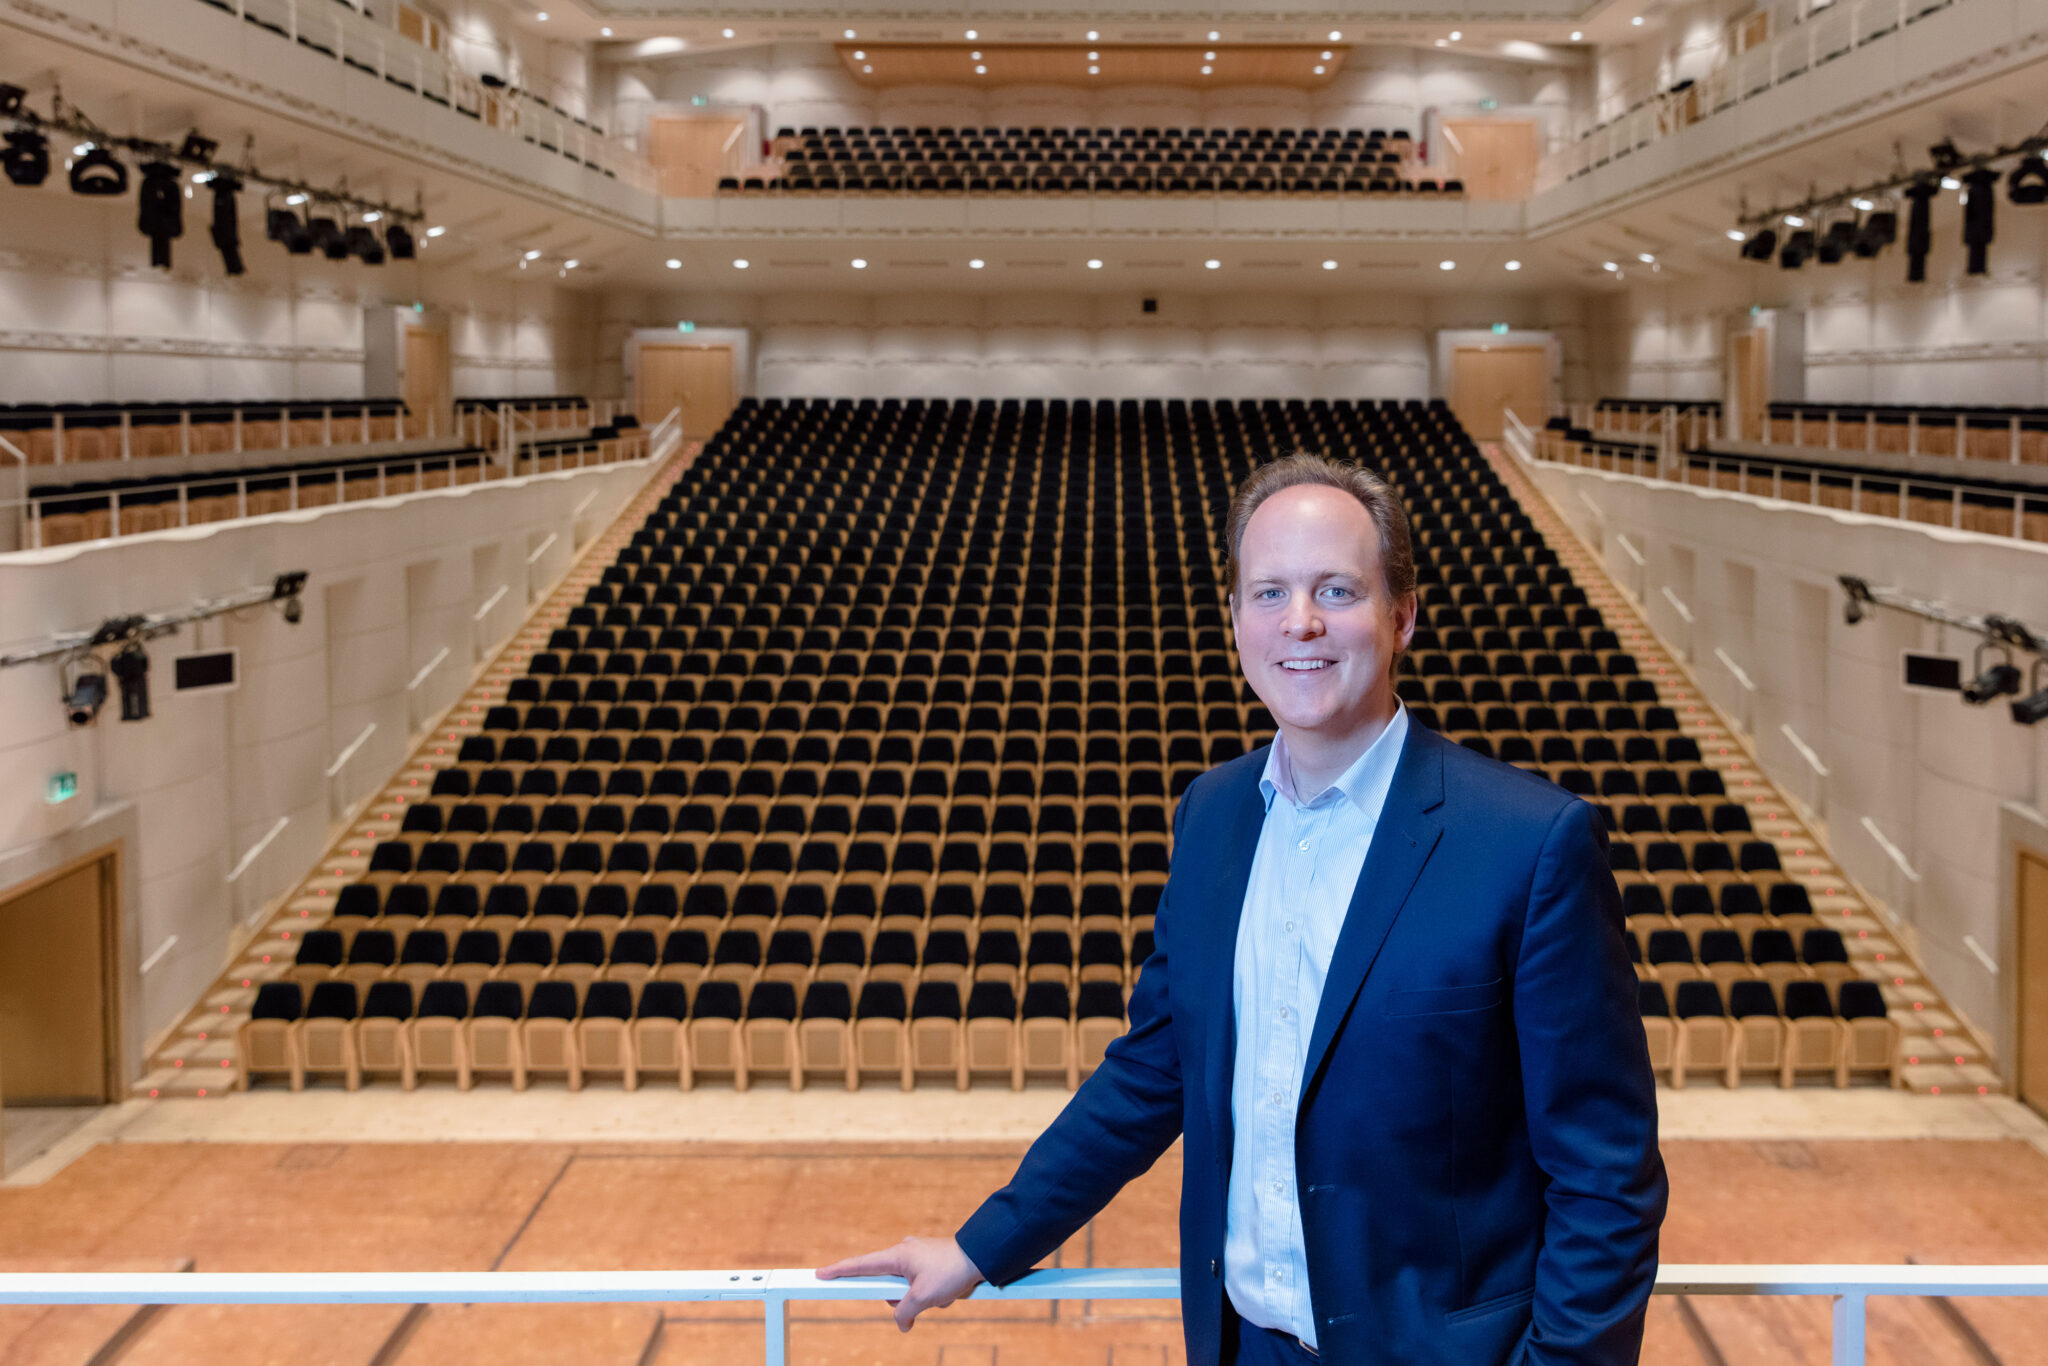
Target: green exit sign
1500	329
686	327
699	101
1489	103
63	787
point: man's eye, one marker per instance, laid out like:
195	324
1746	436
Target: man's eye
1338	592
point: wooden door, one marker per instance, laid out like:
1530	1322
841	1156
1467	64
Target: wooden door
2031	890
690	154
57	1031
696	379
1496	158
426	378
1488	380
1750	357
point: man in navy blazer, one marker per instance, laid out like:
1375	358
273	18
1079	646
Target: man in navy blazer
1466	1159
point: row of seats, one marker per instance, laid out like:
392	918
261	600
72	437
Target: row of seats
64	433
1124	178
1803	1028
91	509
882	1031
949	137
1975	432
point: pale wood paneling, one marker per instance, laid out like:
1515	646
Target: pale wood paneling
1496	158
1488	380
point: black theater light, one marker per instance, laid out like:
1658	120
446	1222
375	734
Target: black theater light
1838	240
160	212
84	694
227	224
328	237
1944	155
2028	182
1880	230
11	97
27	158
197	148
1980	212
130	667
283	225
1799	245
398	241
1761	244
1920	226
96	172
364	244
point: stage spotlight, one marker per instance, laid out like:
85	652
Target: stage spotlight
11	98
328	237
1838	241
1944	155
1919	226
84	696
398	241
2028	182
1761	244
2033	707
160	212
1879	231
282	225
95	172
131	670
1991	683
365	245
1798	246
27	158
227	223
197	148
288	585
1979	218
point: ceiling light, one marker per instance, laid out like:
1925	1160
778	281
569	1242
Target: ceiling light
727	32
981	71
1210	56
436	232
1948	182
542	16
372	216
1793	220
868	70
1441	43
1336	36
975	264
1329	265
975	55
849	33
295	199
860	56
674	264
1212	264
606	31
1093	56
533	255
1214	35
1207	70
1318	71
1095	71
859	263
1737	235
1576	35
1456	34
1636	22
1513	265
1646	258
1094	264
972	35
1327	56
1093	35
740	263
1863	205
1609	265
1447	265
571	263
81	149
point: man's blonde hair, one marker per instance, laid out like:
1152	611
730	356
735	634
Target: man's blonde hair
1397	553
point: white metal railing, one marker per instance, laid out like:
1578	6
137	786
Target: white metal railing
1817	35
379	49
1849	1287
339	805
667	434
1802	486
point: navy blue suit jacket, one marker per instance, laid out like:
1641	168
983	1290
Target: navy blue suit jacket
1476	1146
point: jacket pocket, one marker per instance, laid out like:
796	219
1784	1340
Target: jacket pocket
1442	1000
1498	1304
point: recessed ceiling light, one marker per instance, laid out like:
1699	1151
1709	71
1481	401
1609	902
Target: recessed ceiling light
1094	264
1609	265
674	264
859	263
1862	205
1636	22
1095	71
740	263
1336	36
981	70
1329	265
1442	43
541	15
1214	35
975	264
1447	265
606	31
868	70
435	232
1456	34
533	255
1208	56
972	35
1093	35
850	33
1212	264
1737	235
728	33
1514	265
1576	35
1327	56
571	263
1646	258
860	56
975	55
371	217
1207	70
1319	70
1093	56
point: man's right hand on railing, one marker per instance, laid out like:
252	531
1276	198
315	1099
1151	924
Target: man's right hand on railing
938	1271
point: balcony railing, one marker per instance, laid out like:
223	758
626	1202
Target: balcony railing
1849	1287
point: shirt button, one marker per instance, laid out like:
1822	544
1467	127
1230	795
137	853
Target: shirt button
1290	927
1279	1186
1279	1098
1283	1012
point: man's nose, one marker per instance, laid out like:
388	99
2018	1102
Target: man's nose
1302	621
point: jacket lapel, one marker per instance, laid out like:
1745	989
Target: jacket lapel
1237	848
1407	833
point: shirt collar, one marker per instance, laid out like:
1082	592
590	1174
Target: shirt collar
1365	782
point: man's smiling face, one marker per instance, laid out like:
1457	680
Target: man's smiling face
1316	630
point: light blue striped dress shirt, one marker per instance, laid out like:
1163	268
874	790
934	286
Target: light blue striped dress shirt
1309	858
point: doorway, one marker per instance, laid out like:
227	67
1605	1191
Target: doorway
696	379
2031	889
59	1016
690	154
1496	158
426	379
1750	358
1486	381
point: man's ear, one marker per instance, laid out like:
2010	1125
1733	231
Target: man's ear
1411	612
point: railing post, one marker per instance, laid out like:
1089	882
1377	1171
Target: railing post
1831	430
327	419
1913	432
242	496
1855	493
114	504
775	1325
127	431
184	505
1798	428
185	432
35	524
1962	437
295	493
57	433
238	431
2015	439
1849	1326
